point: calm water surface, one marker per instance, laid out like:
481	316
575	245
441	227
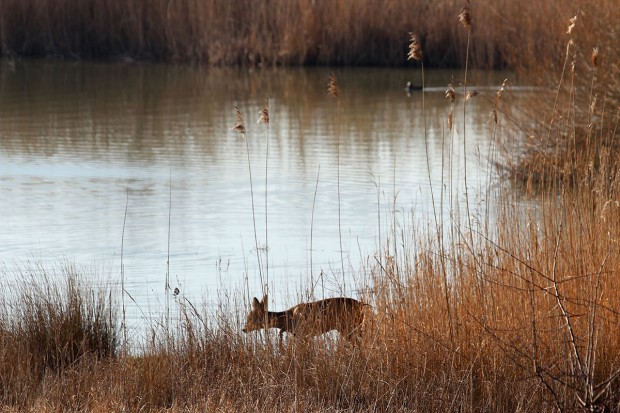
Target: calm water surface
102	159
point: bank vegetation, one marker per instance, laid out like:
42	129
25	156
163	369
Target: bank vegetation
301	32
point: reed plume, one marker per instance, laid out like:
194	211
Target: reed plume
332	87
465	16
450	95
415	49
470	94
594	56
239	125
498	98
263	114
500	91
572	21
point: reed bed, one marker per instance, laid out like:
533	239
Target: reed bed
523	317
528	321
299	32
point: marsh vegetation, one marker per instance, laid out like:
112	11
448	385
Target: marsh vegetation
521	315
302	32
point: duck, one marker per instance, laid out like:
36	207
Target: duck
411	87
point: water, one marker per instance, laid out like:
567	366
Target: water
103	161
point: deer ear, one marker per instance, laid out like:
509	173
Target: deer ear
264	302
255	303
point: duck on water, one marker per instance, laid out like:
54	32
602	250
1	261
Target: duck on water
411	87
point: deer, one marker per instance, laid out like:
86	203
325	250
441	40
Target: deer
346	315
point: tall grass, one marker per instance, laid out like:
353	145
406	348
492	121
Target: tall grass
296	32
546	332
51	323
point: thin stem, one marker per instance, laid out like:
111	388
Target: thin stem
167	286
124	324
338	188
316	188
464	136
266	215
247	147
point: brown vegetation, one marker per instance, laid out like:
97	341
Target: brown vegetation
527	320
223	32
572	133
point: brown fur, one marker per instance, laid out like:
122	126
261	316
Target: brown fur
346	315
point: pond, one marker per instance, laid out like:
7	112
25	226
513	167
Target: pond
110	163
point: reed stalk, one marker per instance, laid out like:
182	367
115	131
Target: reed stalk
263	117
239	127
333	90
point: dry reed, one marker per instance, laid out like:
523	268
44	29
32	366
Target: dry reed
415	50
299	32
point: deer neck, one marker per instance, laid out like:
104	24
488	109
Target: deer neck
280	319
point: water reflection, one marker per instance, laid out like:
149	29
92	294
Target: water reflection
84	143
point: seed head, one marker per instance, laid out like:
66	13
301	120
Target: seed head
500	91
263	114
332	87
415	49
450	95
239	123
471	94
593	104
465	17
594	56
571	25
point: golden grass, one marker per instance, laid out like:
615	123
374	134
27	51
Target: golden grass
488	341
496	337
297	32
573	131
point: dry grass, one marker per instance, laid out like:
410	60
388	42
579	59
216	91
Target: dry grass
496	337
297	32
572	132
50	323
